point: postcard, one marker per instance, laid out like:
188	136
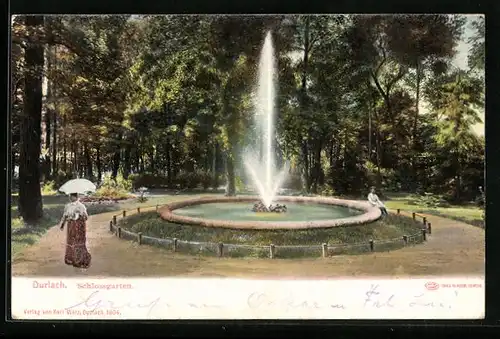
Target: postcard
247	167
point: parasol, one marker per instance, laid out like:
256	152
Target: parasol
81	186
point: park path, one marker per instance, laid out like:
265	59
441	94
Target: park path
454	248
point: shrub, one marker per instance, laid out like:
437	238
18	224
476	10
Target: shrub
119	182
327	191
48	188
430	200
205	179
111	193
187	180
114	188
194	179
240	185
149	180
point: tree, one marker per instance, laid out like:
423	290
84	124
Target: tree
456	106
30	196
477	40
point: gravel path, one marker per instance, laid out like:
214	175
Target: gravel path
454	248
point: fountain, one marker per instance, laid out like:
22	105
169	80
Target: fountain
264	173
233	212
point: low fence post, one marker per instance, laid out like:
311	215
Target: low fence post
271	251
138	210
325	249
424	234
371	245
429	228
111	225
424	220
413	215
119	232
221	249
405	239
175	244
398	210
156	208
114	219
124	214
139	238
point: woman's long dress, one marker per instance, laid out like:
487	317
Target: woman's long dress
76	249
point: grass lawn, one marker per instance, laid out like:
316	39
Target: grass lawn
387	234
470	214
392	227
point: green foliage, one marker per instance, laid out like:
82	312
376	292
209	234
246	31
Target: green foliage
148	180
476	59
240	185
170	97
430	200
119	182
327	191
49	188
113	193
117	188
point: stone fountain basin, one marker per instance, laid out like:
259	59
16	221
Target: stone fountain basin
370	214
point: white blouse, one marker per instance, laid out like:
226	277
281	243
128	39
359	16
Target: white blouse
74	210
374	200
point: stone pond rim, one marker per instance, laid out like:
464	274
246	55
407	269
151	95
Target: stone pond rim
370	214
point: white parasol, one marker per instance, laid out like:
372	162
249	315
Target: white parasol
81	186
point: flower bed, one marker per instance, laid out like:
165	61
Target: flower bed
103	200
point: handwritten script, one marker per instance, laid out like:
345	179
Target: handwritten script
373	298
258	300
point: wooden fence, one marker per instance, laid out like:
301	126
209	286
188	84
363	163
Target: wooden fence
270	251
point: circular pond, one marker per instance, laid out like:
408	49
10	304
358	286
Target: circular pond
242	211
302	213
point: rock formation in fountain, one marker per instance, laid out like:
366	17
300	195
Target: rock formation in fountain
263	173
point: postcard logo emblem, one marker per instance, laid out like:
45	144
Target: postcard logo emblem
431	285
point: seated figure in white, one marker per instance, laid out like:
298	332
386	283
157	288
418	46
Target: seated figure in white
375	201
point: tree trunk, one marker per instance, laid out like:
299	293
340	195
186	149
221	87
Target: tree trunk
214	166
170	172
74	165
126	161
317	166
48	145
54	116
413	167
331	153
116	158
370	133
306	180
81	164
137	160
417	101
30	196
65	146
90	172
98	163
151	155
116	165
379	175
231	179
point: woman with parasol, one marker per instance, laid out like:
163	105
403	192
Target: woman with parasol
75	215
